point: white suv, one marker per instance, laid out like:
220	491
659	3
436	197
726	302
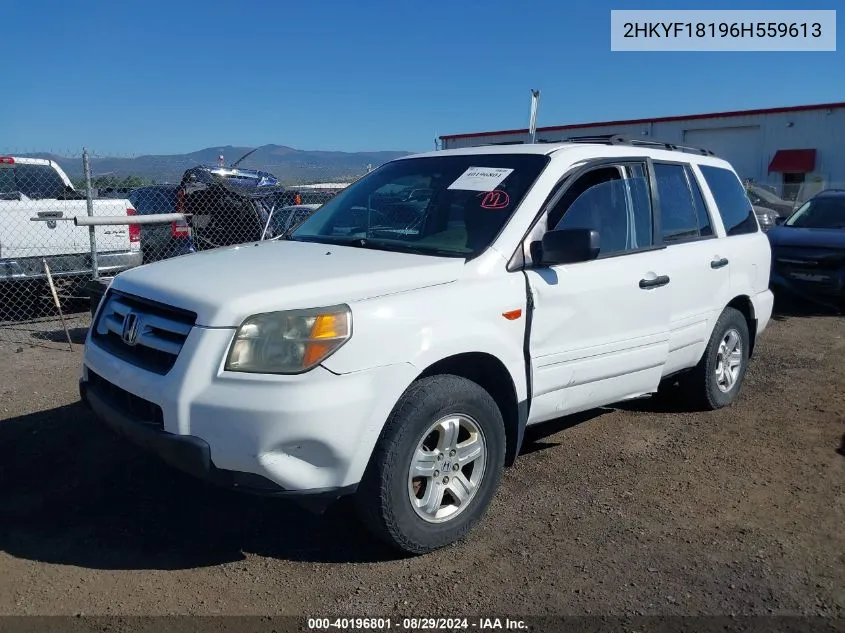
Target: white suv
397	344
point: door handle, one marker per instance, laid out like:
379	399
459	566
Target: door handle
662	280
719	263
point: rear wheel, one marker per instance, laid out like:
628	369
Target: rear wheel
717	379
436	466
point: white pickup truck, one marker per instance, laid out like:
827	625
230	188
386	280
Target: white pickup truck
37	204
396	346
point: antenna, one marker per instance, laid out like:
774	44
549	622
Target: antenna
238	162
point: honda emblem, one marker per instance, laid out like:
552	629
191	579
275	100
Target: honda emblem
131	327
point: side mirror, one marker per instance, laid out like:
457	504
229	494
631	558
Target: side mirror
780	220
566	246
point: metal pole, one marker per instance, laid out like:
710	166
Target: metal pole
57	303
535	104
92	238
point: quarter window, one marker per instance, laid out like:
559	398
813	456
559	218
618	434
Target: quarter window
731	199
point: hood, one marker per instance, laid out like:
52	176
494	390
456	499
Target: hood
815	238
226	285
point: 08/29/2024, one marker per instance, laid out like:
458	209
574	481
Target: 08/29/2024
413	624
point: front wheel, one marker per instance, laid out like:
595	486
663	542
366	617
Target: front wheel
435	467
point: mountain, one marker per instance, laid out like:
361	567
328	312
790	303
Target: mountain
291	166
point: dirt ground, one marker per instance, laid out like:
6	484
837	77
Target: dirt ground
647	509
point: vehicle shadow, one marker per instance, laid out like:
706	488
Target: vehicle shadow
77	335
787	307
536	433
72	492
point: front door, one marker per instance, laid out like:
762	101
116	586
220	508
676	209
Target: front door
599	329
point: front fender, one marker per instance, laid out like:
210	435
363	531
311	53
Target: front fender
425	326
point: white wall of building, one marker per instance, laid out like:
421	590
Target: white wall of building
749	142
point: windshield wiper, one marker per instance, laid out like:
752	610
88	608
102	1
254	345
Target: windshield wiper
361	242
379	245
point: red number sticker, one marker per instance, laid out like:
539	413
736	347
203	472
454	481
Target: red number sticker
495	200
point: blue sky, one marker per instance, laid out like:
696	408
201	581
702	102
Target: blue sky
129	78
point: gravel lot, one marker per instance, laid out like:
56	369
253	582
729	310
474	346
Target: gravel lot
648	509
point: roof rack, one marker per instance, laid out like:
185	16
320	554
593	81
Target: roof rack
620	139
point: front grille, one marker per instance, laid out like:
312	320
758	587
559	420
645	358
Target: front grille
136	408
814	270
160	331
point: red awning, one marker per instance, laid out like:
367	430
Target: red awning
798	161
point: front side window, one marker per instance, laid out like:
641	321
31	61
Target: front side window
615	202
731	199
452	206
820	213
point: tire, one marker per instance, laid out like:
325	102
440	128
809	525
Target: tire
707	386
384	497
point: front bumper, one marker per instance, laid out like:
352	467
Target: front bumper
763	303
189	454
284	435
821	287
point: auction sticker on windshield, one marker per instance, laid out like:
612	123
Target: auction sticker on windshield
481	178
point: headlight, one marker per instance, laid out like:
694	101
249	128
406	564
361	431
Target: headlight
290	342
767	219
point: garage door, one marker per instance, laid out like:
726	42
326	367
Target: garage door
741	146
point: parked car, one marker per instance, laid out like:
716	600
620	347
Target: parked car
37	202
227	206
808	250
398	356
161	241
287	218
762	197
768	206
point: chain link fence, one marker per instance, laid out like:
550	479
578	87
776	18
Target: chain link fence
69	223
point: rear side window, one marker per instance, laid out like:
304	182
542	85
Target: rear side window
734	205
677	214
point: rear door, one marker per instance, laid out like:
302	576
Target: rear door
697	261
746	246
599	329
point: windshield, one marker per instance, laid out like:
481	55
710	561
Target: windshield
154	200
820	213
438	205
